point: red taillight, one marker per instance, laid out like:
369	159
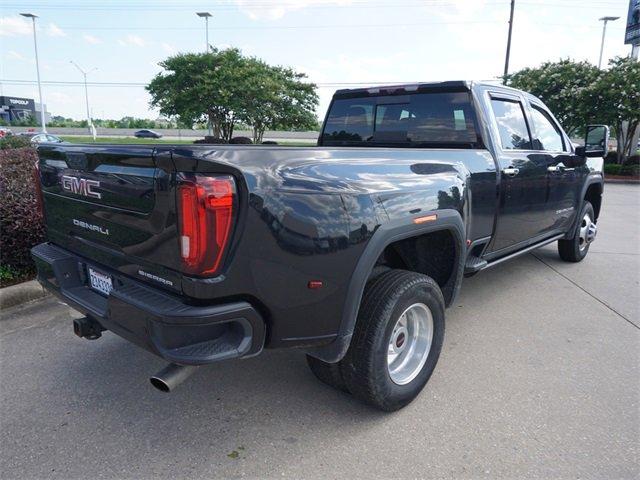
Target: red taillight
205	208
37	184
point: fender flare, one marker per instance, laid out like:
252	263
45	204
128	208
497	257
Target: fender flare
591	180
384	236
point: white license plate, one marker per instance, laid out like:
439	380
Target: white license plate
100	282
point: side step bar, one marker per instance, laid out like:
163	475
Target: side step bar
522	252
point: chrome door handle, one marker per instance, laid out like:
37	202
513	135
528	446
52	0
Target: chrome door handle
511	172
559	169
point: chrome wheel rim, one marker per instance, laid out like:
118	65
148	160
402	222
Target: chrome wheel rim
587	232
410	343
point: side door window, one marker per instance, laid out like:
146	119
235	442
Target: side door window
548	136
512	124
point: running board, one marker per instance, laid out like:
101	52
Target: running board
525	250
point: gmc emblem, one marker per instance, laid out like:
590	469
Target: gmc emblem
81	186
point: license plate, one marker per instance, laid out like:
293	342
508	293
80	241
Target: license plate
100	282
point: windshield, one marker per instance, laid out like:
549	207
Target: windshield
414	120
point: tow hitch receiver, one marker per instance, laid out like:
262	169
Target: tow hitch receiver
88	328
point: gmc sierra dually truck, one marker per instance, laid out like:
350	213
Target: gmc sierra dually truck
350	250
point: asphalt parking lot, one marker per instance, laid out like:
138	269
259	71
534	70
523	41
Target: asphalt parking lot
539	378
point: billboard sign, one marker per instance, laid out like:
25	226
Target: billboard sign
632	35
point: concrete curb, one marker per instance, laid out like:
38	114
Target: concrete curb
21	293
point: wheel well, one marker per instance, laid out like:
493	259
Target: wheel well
594	196
434	254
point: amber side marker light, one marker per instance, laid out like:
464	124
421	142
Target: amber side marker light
425	219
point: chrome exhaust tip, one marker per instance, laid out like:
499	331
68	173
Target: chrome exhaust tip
167	379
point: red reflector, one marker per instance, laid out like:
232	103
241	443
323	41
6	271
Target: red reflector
205	206
313	284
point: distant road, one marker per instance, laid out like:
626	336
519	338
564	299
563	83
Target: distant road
172	133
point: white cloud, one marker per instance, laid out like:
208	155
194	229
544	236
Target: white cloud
10	26
257	11
91	39
55	31
133	41
13	55
167	47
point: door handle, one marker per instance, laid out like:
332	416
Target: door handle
511	172
559	169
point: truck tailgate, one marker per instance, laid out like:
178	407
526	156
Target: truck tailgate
111	204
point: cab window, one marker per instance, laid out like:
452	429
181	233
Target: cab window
548	136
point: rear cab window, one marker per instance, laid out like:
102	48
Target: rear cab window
431	119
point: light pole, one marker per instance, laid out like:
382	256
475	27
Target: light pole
35	45
206	16
86	91
604	31
506	60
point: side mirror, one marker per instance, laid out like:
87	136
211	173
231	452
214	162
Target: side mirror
596	142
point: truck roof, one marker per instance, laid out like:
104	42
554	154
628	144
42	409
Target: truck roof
425	87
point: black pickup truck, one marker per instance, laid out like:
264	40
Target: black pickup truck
350	250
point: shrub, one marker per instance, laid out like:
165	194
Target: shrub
622	170
14	141
21	224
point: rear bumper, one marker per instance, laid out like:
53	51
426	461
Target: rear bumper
159	322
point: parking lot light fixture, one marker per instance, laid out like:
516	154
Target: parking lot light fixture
604	31
206	16
86	91
35	45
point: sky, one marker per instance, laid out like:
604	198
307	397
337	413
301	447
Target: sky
335	42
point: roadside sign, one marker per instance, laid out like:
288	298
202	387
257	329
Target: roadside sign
632	34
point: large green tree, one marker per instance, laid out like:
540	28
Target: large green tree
224	87
201	87
614	99
279	99
560	85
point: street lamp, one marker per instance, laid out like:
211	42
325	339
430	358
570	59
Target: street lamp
86	91
35	44
604	31
206	16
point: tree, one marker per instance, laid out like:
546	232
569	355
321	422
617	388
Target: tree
224	87
278	98
614	99
200	87
561	86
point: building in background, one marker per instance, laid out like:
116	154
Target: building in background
18	109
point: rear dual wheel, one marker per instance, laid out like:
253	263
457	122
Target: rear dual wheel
396	342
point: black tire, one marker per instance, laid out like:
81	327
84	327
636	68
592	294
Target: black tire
570	250
364	367
329	373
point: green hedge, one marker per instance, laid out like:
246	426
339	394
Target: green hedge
623	170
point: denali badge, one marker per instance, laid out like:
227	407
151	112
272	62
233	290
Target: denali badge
91	226
81	186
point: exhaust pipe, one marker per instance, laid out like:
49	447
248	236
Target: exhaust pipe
167	379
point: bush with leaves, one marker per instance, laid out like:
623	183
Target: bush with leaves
14	141
21	225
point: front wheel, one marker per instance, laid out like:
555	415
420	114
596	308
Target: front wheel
397	339
576	248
